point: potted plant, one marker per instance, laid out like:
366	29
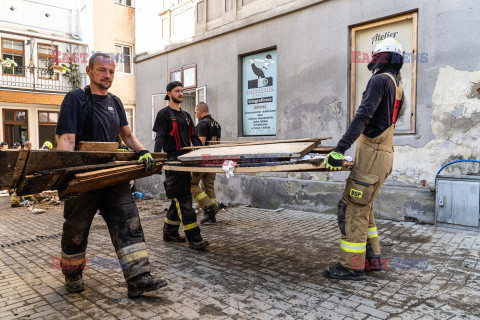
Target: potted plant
71	71
8	65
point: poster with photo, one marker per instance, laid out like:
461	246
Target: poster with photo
259	93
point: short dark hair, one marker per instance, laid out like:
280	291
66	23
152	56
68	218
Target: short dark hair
3	143
99	57
202	106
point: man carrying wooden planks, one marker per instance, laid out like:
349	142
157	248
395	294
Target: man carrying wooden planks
208	130
374	123
94	114
174	128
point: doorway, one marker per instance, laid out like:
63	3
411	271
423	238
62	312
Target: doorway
188	103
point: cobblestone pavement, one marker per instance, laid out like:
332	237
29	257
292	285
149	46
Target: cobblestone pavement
262	264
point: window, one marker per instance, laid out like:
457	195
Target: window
190	77
46	60
176	75
165	30
130	118
14	50
124	54
47	121
364	39
15	126
130	3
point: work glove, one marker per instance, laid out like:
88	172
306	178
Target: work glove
334	161
146	158
122	148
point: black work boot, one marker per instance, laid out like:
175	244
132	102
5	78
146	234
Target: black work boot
143	283
342	273
74	283
373	262
198	245
209	216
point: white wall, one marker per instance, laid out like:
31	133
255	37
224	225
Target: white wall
85	22
148	26
62	15
180	22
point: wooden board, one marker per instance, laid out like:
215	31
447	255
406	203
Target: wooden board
8	161
272	150
305	167
97	146
324	149
84	182
41	160
56	179
16	164
251	143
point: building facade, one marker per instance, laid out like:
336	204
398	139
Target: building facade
296	69
50	43
42	54
114	33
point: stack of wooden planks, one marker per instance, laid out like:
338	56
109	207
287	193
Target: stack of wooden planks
257	156
33	171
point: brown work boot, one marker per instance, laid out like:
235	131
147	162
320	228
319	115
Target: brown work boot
143	283
74	283
173	237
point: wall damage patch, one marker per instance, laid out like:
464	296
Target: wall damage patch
455	123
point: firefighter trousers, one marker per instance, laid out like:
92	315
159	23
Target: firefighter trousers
119	211
177	187
204	195
373	164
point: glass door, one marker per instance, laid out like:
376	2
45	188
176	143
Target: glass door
15	126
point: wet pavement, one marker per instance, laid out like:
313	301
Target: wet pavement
262	264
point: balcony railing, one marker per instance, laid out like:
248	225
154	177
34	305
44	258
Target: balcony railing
38	79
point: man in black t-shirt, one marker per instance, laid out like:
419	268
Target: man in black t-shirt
174	128
94	114
208	130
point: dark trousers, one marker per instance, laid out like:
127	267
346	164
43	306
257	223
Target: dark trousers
177	187
119	211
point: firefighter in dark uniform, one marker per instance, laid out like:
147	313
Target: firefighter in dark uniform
174	131
373	125
207	130
94	114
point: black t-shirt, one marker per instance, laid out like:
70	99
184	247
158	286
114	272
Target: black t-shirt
163	127
374	115
205	128
107	118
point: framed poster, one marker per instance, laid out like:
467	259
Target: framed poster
176	75
259	94
364	39
189	77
